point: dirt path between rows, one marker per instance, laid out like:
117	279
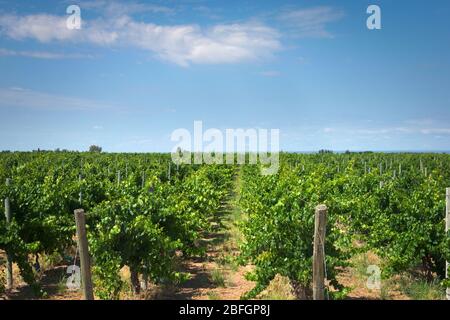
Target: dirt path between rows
217	275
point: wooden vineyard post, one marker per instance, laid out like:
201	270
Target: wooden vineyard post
319	253
85	263
80	195
168	174
9	269
447	228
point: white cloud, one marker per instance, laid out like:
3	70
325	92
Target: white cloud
187	44
42	27
24	98
44	54
46	28
310	22
180	44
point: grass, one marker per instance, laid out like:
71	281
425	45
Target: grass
227	261
361	271
405	286
279	289
232	236
213	295
385	290
61	286
361	263
218	278
419	289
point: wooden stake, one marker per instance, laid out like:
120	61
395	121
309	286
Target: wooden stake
8	215
80	200
85	263
319	253
447	228
168	174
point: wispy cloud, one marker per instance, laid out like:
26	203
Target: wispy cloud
169	110
135	141
24	98
420	122
191	44
270	73
46	28
384	131
118	8
441	131
180	44
44	54
380	131
310	22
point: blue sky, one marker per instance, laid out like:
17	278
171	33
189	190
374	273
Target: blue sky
138	70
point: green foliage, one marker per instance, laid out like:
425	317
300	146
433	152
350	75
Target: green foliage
389	202
392	203
136	216
280	226
95	148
